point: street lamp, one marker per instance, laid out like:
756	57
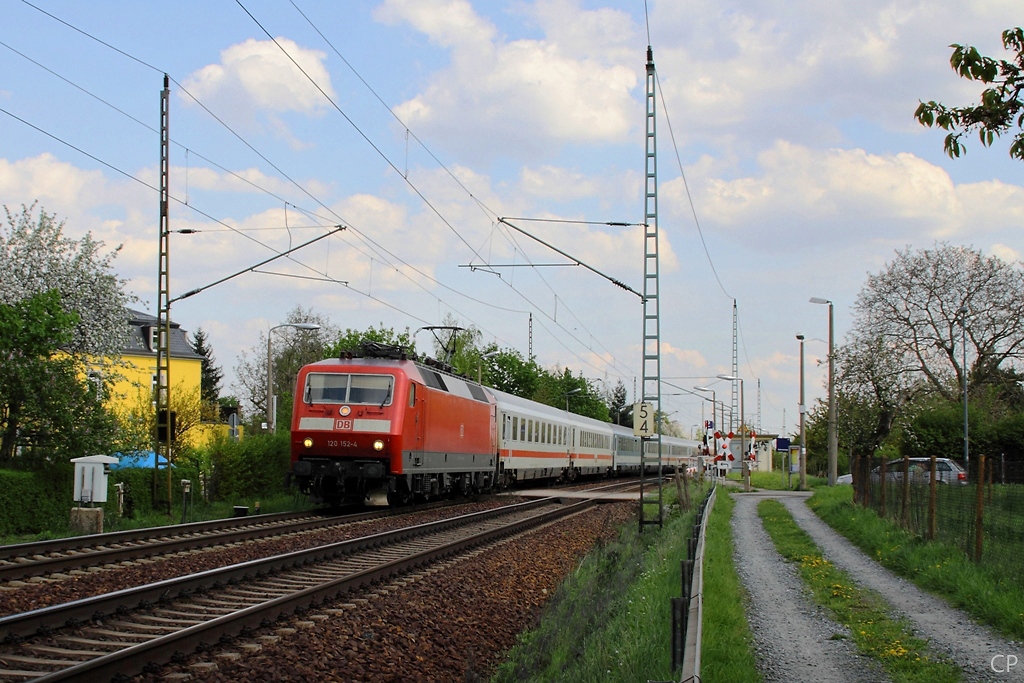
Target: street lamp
833	438
743	440
480	365
569	393
803	411
271	412
714	404
963	327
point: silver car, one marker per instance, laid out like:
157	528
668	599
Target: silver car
946	471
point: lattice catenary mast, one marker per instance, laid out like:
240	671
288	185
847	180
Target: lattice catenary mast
163	316
651	387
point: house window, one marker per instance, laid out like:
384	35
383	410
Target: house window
154	338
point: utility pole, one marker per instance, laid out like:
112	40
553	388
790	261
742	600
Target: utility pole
803	412
734	406
163	316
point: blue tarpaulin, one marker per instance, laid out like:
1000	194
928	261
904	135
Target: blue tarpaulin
137	459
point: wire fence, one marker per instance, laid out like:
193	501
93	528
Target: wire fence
986	521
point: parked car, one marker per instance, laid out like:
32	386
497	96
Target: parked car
844	479
946	471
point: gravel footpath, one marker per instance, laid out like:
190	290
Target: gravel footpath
948	629
793	637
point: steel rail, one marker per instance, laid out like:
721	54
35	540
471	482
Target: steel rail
42	621
136	658
40	559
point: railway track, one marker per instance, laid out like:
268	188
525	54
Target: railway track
27	560
55	557
113	636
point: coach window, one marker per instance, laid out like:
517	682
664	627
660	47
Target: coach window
522	429
515	429
549	434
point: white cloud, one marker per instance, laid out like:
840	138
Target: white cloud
522	94
1005	253
257	74
842	196
552	182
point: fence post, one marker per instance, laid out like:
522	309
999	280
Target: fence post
931	501
679	612
991	471
979	510
881	489
905	512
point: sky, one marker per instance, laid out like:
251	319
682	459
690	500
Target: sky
789	165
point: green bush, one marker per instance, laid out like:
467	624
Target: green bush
253	467
32	502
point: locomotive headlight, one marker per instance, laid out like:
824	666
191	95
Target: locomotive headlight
307	442
378	445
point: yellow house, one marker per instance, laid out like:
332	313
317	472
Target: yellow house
135	380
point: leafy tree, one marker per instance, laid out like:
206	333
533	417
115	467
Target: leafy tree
561	388
351	339
36	257
910	313
620	411
47	409
1001	106
137	419
511	372
211	374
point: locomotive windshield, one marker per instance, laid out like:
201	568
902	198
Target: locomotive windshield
323	387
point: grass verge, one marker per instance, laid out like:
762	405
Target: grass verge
610	620
776	480
940	568
728	648
904	657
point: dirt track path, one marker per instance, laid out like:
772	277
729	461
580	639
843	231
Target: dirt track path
949	630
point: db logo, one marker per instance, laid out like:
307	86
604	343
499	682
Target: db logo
1002	664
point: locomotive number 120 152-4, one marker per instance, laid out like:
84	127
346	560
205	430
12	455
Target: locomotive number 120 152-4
341	444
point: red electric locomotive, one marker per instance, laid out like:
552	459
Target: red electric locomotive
380	428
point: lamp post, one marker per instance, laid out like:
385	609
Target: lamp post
743	440
803	411
271	412
713	403
480	365
569	393
963	341
833	438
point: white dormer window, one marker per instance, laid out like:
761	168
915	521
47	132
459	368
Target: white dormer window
154	338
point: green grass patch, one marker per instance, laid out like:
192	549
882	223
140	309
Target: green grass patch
904	657
992	597
610	620
727	654
142	519
777	480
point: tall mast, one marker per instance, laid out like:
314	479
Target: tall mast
652	320
163	316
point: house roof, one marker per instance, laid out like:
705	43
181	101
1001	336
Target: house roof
138	339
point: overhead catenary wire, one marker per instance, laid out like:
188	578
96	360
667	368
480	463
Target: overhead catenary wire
352	229
242	178
480	203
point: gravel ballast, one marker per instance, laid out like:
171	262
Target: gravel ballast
453	623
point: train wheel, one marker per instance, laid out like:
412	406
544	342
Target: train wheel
401	496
